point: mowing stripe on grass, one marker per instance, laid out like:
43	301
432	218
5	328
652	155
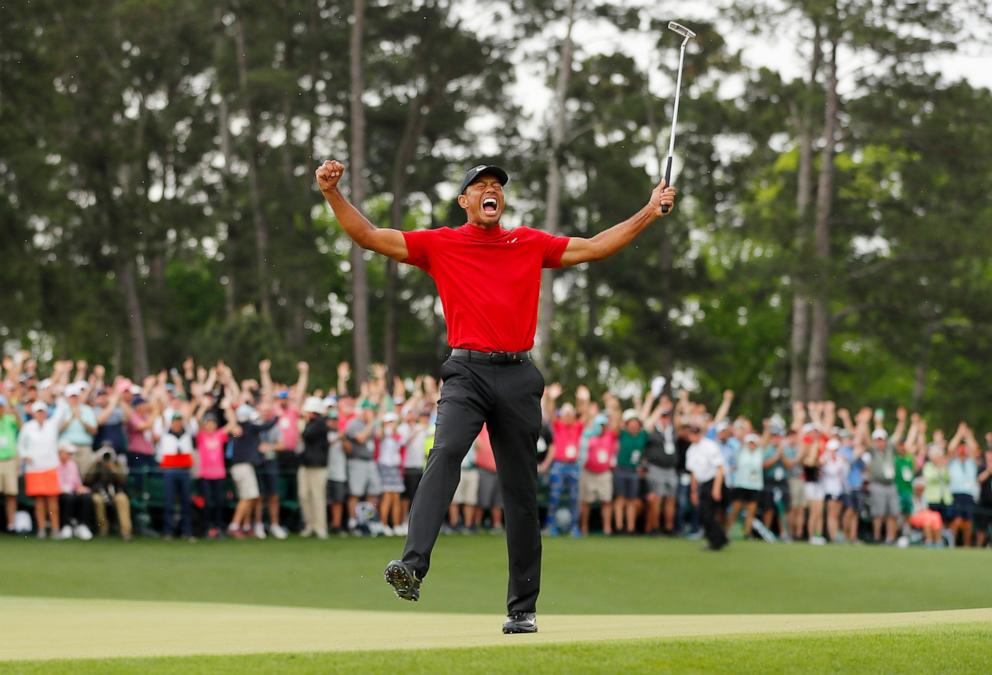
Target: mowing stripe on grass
55	628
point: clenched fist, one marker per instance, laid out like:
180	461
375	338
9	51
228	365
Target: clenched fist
663	195
328	175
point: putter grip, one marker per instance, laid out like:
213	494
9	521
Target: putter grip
668	180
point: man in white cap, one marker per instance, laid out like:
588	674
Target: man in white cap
246	435
312	474
81	425
883	498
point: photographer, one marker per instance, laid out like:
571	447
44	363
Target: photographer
106	480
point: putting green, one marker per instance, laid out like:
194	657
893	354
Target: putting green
56	628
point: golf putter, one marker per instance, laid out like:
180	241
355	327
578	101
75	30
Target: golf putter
686	35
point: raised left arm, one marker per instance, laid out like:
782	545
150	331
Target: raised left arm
608	242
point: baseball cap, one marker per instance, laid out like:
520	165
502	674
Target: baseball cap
879	435
72	390
314	405
833	444
630	414
752	438
480	170
39	406
282	394
3	401
244	413
390	417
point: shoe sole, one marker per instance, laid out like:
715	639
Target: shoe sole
402	582
517	630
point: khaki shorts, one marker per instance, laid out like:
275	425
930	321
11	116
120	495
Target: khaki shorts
468	488
797	493
595	487
8	477
245	481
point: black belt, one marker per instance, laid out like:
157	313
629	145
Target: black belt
490	357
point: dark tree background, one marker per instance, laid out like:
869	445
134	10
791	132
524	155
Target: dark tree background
157	197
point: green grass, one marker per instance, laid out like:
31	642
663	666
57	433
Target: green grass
957	649
596	575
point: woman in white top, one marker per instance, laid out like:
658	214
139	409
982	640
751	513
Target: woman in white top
833	476
38	446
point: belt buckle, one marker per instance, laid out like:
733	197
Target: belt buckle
498	357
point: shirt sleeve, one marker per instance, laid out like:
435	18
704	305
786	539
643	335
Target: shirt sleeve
552	248
418	246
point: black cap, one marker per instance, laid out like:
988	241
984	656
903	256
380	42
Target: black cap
477	171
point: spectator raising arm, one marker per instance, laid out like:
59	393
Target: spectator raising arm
582	399
724	409
551	395
899	433
265	377
303	379
344	372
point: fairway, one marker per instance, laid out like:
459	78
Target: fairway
144	628
324	605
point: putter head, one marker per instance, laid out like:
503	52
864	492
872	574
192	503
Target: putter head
681	30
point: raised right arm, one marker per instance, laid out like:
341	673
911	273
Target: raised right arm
381	240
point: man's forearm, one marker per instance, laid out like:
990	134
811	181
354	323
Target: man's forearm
620	235
354	223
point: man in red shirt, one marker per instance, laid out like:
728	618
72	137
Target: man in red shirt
489	281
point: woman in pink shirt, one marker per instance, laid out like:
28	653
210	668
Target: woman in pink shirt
210	445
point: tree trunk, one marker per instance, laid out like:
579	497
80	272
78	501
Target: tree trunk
552	205
816	375
254	188
224	133
135	320
416	121
359	275
800	290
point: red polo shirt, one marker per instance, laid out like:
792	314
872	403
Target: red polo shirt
489	280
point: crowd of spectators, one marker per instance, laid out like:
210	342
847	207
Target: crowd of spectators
196	452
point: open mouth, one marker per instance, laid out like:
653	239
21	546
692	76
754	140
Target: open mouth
490	206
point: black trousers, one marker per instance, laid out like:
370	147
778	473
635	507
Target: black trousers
76	508
507	398
715	534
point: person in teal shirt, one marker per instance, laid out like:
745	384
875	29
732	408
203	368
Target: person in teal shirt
9	424
80	427
626	481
